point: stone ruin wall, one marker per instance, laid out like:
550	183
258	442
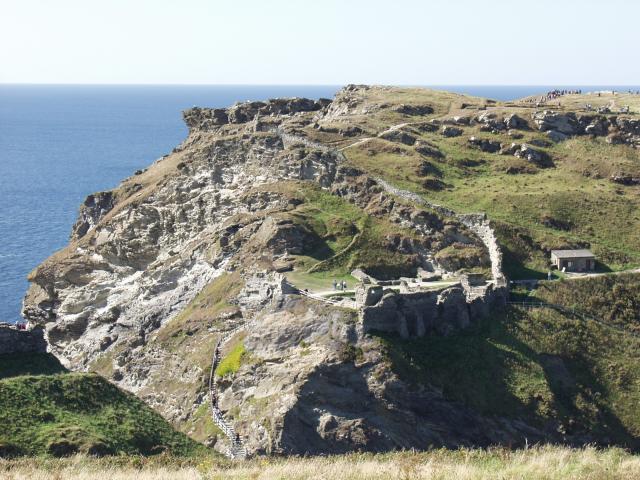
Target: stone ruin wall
441	311
13	340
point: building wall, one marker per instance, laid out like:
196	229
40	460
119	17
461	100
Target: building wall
577	264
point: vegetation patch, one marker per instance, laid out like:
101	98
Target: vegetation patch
65	414
231	362
542	366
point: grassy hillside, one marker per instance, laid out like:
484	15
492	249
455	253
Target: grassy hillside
45	411
544	366
568	203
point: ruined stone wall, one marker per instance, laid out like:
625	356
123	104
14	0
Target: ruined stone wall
13	340
434	312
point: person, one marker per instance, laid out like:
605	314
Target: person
335	284
549	275
344	285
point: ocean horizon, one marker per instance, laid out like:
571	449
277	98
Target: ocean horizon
59	143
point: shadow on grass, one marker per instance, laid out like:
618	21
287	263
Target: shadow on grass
494	371
18	364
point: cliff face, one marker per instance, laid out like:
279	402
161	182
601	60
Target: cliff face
161	267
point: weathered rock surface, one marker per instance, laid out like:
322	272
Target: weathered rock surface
485	145
514	121
448	131
128	296
559	122
398	135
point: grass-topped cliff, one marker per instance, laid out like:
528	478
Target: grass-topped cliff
44	410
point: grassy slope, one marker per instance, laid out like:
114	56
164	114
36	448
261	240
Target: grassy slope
541	365
576	191
345	238
44	410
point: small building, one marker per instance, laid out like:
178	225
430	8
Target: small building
574	260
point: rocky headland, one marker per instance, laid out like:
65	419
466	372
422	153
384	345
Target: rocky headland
263	195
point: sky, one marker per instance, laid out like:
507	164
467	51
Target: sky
330	42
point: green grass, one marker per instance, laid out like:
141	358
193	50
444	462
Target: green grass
539	365
66	413
344	237
572	204
232	361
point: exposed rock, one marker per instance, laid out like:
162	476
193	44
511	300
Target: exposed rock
448	131
514	121
460	120
485	145
427	149
510	149
625	179
534	156
515	134
426	127
434	184
414	110
565	123
594	125
92	210
398	135
490	123
207	119
351	131
556	136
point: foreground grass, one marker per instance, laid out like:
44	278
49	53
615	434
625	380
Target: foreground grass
531	464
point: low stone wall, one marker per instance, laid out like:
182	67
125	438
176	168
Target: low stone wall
13	340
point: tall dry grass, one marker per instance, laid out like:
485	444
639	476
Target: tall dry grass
548	463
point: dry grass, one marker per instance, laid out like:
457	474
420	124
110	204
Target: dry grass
547	463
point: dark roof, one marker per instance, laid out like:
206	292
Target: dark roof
572	253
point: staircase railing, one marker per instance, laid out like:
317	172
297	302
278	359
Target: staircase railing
236	449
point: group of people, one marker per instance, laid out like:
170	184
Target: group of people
340	285
559	93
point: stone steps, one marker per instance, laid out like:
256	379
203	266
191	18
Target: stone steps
236	448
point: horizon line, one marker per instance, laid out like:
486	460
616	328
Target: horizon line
314	84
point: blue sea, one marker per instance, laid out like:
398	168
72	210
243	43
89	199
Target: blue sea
60	143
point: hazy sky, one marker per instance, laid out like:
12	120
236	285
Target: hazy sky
321	41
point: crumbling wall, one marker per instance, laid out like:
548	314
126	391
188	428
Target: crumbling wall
13	340
434	312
